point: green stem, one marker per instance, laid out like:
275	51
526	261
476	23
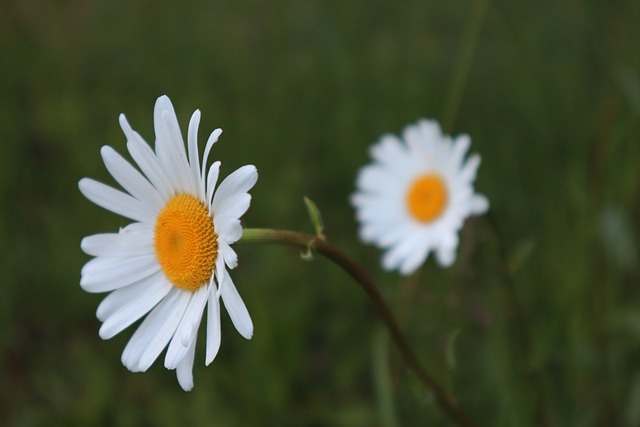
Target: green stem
459	79
522	325
445	400
381	377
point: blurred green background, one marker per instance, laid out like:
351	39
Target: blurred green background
549	92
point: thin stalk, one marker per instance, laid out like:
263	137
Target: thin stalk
523	330
381	377
321	246
459	79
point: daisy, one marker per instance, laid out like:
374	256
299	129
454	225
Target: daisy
415	196
172	261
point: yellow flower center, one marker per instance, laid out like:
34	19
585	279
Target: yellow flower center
186	243
427	198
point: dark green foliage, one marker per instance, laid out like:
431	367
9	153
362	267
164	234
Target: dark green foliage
301	89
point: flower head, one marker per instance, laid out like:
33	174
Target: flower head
415	195
171	262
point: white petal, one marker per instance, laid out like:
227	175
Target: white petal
429	130
145	158
196	307
479	204
186	329
212	179
240	181
213	326
148	330
165	122
468	173
142	297
164	143
213	138
165	332
98	264
378	180
117	245
415	259
234	206
184	371
229	255
394	257
194	155
130	179
155	283
221	273
389	151
143	230
236	308
116	201
228	229
391	211
163	103
120	272
178	155
446	251
419	138
460	148
450	240
387	233
391	236
107	267
170	148
445	256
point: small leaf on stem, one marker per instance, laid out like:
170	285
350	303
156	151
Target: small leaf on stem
315	216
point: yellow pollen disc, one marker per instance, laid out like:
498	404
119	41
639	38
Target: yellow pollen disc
427	198
186	243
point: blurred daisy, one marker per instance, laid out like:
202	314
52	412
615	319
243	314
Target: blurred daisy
171	262
415	196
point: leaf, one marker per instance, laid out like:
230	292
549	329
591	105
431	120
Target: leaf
450	349
315	216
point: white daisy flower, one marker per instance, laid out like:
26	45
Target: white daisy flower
172	261
415	196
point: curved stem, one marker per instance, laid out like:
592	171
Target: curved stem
321	246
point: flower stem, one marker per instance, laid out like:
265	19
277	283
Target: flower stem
445	400
459	79
523	330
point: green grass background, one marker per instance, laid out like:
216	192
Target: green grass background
549	92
